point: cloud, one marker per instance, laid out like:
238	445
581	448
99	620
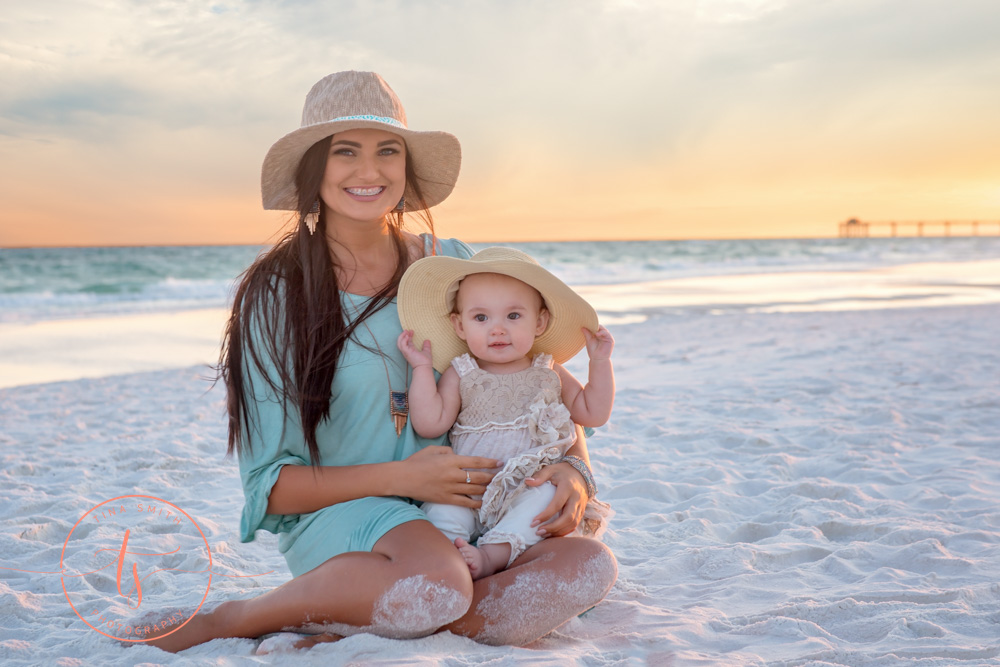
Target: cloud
77	103
169	64
631	75
692	101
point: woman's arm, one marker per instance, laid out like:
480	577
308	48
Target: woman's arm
434	474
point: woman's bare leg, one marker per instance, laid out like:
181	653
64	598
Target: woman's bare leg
411	583
547	585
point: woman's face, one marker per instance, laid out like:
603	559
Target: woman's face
365	175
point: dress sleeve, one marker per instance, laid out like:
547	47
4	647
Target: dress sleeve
451	248
274	439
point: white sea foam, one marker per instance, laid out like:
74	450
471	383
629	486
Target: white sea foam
907	286
38	284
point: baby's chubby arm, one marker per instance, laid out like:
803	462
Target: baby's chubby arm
591	405
433	406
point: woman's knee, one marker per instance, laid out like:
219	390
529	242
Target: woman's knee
417	606
588	563
433	587
429	594
568	576
598	567
453	574
434	557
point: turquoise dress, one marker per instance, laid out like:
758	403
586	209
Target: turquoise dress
359	430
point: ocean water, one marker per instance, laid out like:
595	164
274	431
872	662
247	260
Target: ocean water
38	284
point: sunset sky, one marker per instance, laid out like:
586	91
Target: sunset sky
146	121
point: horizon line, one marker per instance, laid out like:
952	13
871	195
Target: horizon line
496	241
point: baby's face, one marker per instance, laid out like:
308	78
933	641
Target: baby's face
498	317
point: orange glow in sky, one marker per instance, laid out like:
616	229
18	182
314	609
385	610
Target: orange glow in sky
146	123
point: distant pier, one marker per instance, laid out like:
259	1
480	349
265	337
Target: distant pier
855	228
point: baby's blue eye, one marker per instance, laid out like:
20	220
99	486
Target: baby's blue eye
514	316
479	318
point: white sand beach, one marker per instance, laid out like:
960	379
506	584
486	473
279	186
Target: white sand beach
803	480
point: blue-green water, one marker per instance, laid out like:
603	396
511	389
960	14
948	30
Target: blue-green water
66	283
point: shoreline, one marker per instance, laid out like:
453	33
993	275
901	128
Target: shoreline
63	350
67	349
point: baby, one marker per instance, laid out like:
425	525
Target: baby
499	319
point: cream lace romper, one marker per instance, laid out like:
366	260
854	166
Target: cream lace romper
518	418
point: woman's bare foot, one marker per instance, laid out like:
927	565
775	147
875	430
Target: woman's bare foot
312	640
485	560
202	627
285	642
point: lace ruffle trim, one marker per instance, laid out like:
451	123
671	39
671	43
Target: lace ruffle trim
464	364
542	360
517	543
520	422
596	516
510	481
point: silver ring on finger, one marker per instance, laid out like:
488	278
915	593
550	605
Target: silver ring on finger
468	477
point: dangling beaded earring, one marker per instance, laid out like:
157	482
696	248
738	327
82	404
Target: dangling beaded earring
312	218
399	211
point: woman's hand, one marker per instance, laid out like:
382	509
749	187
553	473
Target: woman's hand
569	501
437	474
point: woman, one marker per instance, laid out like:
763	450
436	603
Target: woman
326	461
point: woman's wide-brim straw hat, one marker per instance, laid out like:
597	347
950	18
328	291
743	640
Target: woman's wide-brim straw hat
427	293
347	101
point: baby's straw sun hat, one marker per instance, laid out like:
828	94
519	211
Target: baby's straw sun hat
347	101
427	298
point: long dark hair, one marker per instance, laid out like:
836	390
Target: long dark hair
287	314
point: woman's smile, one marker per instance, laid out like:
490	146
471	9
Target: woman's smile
366	194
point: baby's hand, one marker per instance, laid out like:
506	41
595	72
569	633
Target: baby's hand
413	356
600	344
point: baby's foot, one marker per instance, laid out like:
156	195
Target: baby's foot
475	558
485	560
